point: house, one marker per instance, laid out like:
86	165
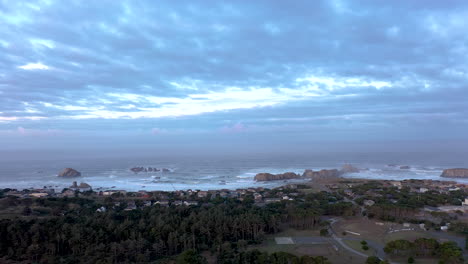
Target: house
202	194
102	209
348	192
272	200
68	193
369	202
162	202
189	203
423	190
223	194
257	197
147	203
130	206
465	202
177	203
444	228
39	194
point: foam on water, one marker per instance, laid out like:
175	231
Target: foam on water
205	174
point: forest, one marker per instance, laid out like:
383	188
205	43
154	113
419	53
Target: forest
69	230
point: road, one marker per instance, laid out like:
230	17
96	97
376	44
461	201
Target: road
380	252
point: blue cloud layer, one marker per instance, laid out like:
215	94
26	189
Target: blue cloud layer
390	68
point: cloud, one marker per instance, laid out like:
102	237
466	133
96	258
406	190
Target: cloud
328	64
34	66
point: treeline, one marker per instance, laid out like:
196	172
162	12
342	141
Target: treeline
447	252
73	232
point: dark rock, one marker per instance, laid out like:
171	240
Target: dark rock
333	173
405	167
69	173
276	177
455	173
348	168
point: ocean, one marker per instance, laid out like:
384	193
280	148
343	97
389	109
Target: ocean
207	172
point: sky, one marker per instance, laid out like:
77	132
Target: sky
234	75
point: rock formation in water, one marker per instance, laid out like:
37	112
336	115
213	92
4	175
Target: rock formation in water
69	173
147	169
321	174
348	168
455	173
405	167
276	177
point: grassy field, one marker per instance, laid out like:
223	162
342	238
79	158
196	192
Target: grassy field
326	250
408	235
356	245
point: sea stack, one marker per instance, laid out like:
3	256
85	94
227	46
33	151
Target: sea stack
69	173
276	177
321	174
348	168
455	173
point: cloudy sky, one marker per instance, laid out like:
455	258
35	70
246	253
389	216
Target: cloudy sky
243	74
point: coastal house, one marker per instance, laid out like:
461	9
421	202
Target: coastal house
38	194
189	203
162	202
348	192
68	193
147	203
202	194
178	203
423	190
102	209
130	206
369	202
465	202
257	197
272	200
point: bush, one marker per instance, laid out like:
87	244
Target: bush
373	260
324	232
363	242
410	260
365	247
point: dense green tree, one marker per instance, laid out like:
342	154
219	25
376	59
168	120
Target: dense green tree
190	257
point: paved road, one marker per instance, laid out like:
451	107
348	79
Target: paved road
380	253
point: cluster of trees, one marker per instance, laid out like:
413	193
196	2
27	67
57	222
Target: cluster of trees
406	198
447	252
75	233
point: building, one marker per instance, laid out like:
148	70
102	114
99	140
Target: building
465	202
423	190
272	200
131	206
162	202
369	202
39	194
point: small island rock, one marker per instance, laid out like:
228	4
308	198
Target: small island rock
321	174
69	173
348	168
455	173
276	177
